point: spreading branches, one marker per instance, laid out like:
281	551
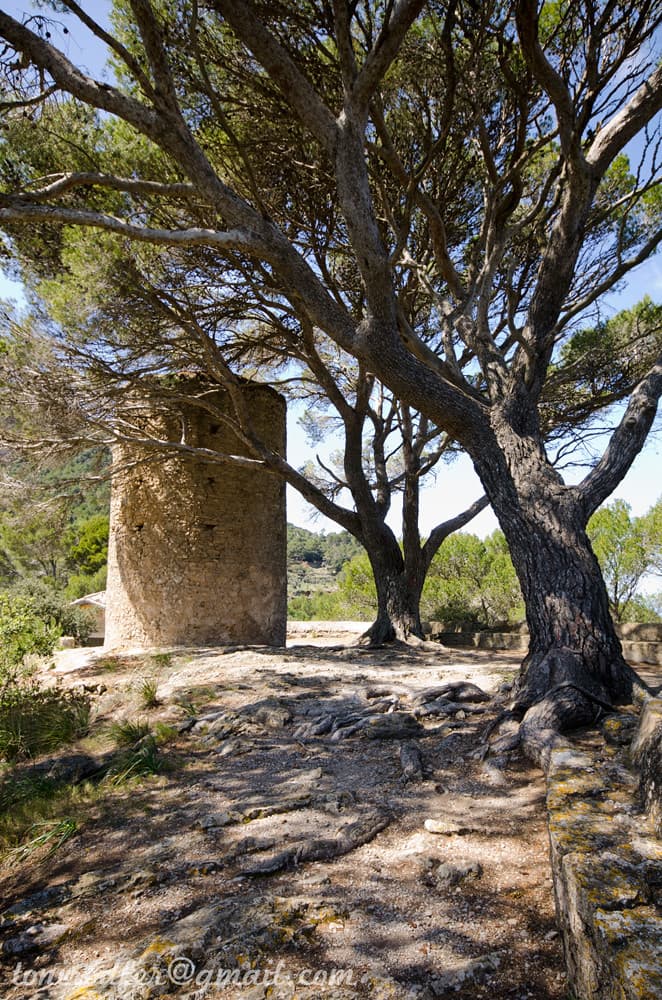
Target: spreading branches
36	50
399	17
281	68
438	191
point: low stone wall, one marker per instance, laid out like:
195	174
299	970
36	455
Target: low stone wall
607	862
642	652
646	753
517	641
634	632
640	642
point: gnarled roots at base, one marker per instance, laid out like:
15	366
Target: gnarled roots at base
557	693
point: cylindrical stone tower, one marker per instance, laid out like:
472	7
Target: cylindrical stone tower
197	551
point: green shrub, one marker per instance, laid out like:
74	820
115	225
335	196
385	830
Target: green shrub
36	720
22	632
17	791
33	616
325	605
54	605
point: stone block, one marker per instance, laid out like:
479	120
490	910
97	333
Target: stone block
606	871
646	754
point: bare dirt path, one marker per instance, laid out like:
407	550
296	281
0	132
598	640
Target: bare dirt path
326	829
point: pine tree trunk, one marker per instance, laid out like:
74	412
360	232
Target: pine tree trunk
398	599
574	669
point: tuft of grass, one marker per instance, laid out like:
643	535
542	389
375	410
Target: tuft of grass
111	664
36	720
49	834
188	708
137	761
192	699
148	693
40	802
128	732
17	791
161	660
165	733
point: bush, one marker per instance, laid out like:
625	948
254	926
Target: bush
23	631
36	720
472	580
44	610
81	584
643	609
321	605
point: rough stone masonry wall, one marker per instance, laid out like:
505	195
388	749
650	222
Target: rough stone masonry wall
606	857
197	552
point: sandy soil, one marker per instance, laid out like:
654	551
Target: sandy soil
381	858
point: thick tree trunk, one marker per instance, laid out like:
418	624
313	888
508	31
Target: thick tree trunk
398	598
575	668
573	640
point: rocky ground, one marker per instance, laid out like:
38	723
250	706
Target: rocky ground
321	825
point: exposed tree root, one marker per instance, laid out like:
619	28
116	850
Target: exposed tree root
546	711
397	635
400	643
347	839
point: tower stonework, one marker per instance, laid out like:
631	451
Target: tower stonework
197	550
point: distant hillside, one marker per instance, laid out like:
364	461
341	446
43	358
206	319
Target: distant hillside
314	559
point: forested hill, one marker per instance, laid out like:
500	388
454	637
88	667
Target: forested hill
54	524
330	551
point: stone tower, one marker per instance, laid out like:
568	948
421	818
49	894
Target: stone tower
197	551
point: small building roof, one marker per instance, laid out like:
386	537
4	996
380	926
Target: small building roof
95	600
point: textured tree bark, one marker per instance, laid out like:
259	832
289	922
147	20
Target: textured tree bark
574	668
398	597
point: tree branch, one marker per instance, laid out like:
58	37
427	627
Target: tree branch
300	95
442	531
14	209
546	75
70	78
623	127
65	182
626	442
129	61
384	51
165	93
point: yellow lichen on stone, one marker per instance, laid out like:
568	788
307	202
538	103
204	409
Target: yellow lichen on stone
84	993
638	964
602	852
159	946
